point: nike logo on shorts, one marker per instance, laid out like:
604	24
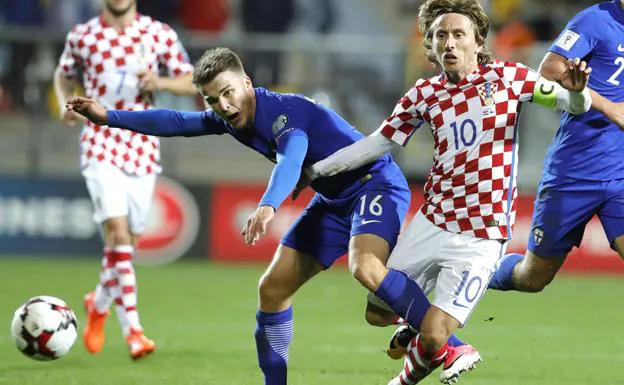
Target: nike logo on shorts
365	222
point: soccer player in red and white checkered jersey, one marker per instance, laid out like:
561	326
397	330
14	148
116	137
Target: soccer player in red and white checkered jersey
454	243
119	55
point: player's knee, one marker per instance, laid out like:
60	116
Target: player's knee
432	338
270	291
119	235
367	269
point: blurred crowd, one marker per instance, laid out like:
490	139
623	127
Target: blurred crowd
18	59
516	26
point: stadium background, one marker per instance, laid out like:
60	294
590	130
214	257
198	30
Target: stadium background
357	56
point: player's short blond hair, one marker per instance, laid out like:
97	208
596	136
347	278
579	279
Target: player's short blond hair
213	62
430	10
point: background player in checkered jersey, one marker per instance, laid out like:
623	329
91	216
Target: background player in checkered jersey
119	55
454	243
574	188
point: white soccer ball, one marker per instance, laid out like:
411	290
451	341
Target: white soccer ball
44	328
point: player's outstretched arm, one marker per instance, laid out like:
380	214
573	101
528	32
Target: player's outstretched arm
563	85
554	64
157	122
358	154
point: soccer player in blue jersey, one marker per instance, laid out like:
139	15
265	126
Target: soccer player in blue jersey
584	167
358	212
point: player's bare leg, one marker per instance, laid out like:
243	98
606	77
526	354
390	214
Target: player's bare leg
533	273
529	273
288	271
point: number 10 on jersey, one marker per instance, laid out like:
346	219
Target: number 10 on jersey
464	133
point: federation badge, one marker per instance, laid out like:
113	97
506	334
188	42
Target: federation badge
538	236
487	91
279	123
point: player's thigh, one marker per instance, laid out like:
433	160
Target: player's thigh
108	189
140	198
416	254
321	231
378	210
466	266
611	215
560	215
376	220
286	273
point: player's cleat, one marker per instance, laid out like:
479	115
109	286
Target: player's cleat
93	333
414	368
399	341
459	360
140	346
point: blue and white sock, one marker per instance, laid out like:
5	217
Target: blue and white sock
503	276
407	300
274	333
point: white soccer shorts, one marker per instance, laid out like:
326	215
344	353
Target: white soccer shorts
455	267
116	194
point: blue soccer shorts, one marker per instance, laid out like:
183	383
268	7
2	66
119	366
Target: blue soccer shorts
562	210
377	206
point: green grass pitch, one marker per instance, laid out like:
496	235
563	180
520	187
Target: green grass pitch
201	315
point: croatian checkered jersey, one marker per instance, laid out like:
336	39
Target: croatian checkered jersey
471	188
109	62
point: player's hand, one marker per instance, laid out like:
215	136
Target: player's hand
257	224
149	81
576	76
71	118
302	184
88	108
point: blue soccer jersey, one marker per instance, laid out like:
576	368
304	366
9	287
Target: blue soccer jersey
589	146
295	132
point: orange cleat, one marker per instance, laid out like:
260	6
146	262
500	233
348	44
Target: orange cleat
93	333
140	345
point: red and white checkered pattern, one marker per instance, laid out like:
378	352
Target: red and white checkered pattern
110	62
471	188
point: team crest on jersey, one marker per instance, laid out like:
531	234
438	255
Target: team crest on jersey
538	236
279	123
487	91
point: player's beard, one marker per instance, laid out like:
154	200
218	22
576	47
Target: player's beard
119	12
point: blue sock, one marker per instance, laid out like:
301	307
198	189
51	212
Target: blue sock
407	299
502	278
274	332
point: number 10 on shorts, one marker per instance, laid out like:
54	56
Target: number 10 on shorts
469	290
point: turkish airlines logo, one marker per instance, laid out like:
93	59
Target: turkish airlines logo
172	226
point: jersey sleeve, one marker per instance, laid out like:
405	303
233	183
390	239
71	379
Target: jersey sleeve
578	39
522	80
404	120
69	61
172	56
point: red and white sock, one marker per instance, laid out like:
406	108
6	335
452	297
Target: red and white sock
419	363
104	293
126	293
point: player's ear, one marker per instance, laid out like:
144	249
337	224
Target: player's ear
248	81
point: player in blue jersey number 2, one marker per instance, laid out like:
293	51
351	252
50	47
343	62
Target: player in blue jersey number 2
358	212
584	167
